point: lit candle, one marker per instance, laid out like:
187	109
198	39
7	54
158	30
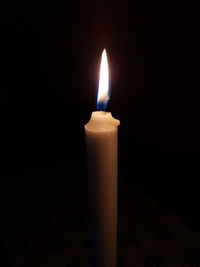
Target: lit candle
101	142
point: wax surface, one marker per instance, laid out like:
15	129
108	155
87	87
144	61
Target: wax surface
101	121
101	141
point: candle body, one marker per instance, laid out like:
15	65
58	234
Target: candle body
101	142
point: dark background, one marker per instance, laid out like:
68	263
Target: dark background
50	55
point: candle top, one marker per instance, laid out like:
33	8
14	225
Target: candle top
102	121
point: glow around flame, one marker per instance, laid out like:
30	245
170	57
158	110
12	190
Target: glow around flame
103	91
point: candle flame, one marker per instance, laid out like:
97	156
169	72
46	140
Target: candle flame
103	91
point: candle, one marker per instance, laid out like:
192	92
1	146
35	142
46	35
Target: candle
101	144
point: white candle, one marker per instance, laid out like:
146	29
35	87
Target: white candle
101	142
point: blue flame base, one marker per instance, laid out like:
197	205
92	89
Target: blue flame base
102	106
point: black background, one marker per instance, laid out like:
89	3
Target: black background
50	55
